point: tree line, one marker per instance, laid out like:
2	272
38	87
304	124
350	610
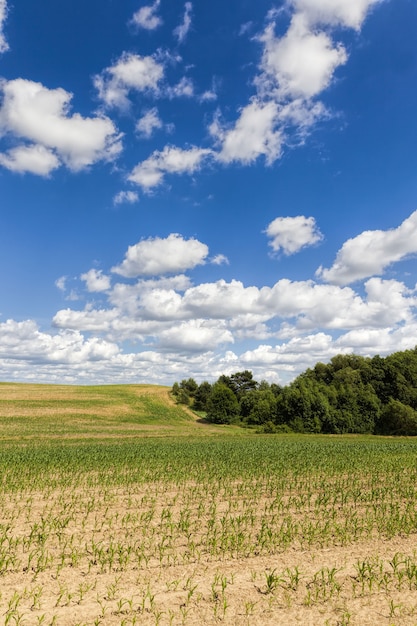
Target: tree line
350	394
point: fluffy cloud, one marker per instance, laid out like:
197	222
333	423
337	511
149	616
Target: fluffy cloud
311	305
131	300
291	234
253	135
316	345
34	113
149	122
294	70
28	354
195	336
3	14
90	320
155	256
130	72
23	346
349	13
220	300
96	281
378	341
289	358
35	159
182	30
301	63
299	323
146	17
308	304
170	160
158	304
24	341
371	252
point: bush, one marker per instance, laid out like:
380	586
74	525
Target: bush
270	428
397	419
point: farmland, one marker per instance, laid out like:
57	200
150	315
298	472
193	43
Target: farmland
119	507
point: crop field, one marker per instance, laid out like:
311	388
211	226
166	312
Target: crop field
120	508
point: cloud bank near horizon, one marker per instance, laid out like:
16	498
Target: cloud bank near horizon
175	327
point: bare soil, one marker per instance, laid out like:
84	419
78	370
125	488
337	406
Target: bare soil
124	556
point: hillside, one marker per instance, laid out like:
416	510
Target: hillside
29	411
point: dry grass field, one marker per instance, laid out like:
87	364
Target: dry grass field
119	507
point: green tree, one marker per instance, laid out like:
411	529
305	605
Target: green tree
351	394
263	411
222	405
201	396
183	397
258	406
242	382
300	406
189	385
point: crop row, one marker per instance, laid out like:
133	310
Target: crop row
86	517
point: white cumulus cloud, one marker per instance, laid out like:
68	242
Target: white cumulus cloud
252	135
302	62
316	346
41	116
170	160
294	71
298	322
195	336
87	320
96	281
131	72
371	252
35	159
349	13
24	340
291	234
155	256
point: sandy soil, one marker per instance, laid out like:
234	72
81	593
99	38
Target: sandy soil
140	556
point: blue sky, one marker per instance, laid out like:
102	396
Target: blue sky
194	188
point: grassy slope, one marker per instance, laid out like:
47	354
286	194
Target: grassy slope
113	411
